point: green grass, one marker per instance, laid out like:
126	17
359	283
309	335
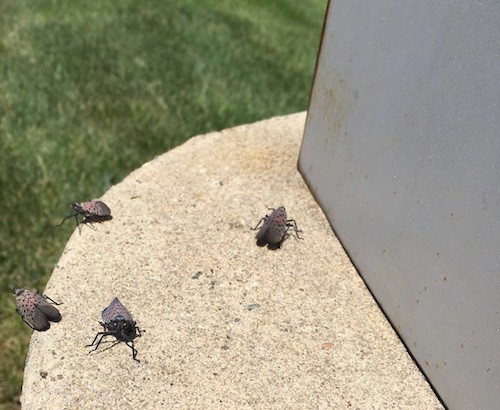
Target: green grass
91	90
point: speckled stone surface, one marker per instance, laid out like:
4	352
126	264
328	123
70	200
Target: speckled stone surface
227	324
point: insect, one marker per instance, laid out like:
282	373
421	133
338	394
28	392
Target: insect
35	309
92	211
274	230
117	321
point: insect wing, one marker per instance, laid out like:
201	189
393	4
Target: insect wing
25	303
35	310
102	209
114	311
50	311
96	208
275	233
40	321
279	214
277	226
261	235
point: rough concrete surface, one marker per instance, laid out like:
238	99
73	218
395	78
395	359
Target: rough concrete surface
227	324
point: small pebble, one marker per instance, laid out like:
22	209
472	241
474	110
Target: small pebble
253	306
197	275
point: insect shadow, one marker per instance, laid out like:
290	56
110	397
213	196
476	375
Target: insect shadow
118	322
274	229
36	310
91	211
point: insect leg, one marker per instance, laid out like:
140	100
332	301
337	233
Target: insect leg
263	219
290	223
285	237
88	221
64	220
102	334
139	331
52	300
109	347
78	224
95	338
134	350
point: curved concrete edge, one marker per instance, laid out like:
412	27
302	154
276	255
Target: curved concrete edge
228	324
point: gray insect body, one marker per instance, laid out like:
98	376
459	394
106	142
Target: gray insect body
118	322
91	211
274	230
35	309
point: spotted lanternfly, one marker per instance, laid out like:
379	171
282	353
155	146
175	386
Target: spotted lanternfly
274	230
117	321
92	211
35	309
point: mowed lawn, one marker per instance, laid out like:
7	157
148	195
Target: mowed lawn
91	90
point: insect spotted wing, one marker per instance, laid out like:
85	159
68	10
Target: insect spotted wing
118	322
91	211
115	311
94	208
274	229
37	310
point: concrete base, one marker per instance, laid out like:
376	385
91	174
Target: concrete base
228	324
